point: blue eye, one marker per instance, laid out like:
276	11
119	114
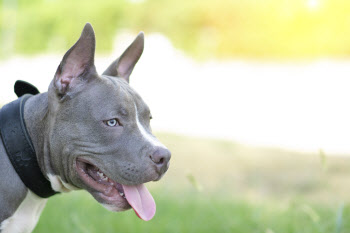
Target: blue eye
112	122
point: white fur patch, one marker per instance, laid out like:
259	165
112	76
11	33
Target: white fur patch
26	216
59	185
149	137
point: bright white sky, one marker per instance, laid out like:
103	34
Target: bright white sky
313	4
301	106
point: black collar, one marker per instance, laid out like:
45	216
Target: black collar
20	149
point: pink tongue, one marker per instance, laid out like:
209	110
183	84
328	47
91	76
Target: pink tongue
140	200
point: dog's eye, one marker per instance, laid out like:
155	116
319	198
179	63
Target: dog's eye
112	122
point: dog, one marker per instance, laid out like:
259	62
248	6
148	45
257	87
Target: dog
88	131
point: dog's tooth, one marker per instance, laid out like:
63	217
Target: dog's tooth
100	174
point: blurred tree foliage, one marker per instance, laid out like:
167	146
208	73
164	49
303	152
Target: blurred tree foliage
204	29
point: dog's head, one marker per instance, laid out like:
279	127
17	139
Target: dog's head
100	129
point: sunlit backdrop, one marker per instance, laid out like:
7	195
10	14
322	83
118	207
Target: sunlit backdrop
251	96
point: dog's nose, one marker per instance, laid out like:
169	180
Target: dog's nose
161	158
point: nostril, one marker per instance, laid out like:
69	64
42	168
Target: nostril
161	158
157	159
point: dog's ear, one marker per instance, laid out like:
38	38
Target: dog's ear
123	66
77	65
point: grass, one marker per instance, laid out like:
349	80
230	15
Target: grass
192	212
220	186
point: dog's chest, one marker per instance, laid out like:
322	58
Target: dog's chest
26	216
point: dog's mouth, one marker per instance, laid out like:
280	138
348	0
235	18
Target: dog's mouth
117	195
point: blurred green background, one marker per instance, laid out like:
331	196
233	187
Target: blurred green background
205	28
221	186
213	185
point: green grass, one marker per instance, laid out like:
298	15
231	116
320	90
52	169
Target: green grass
193	212
220	186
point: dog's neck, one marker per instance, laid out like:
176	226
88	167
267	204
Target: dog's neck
35	116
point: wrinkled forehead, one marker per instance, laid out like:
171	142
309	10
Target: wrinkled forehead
116	94
123	90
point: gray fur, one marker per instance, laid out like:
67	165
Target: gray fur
67	122
12	189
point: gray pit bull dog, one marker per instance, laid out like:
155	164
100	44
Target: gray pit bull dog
89	132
